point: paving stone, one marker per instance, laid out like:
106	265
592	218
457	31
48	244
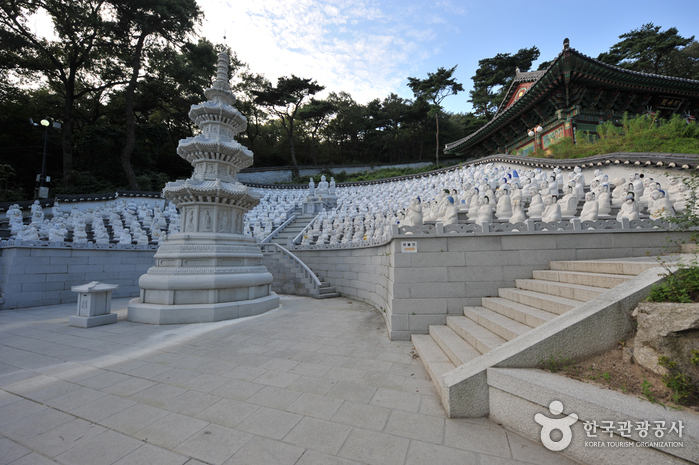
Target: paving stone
128	387
477	438
171	430
10	451
276	378
158	395
310	369
152	455
103	449
33	425
352	391
320	435
237	390
315	406
227	412
390	398
262	451
269	422
204	383
191	402
421	453
64	437
102	408
214	444
416	426
278	364
273	397
134	418
312	457
245	373
313	385
362	415
33	459
375	448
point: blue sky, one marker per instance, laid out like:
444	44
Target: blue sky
369	47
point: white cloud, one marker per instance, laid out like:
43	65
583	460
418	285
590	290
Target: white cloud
361	47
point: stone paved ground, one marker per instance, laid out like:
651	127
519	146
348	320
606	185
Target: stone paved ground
313	382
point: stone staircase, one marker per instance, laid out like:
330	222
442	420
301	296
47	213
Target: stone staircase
516	311
293	229
291	275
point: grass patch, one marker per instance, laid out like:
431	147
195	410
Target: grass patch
638	134
381	173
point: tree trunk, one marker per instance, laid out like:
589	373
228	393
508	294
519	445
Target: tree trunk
130	116
290	133
66	139
436	117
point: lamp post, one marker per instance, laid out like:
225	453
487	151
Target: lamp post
533	132
43	191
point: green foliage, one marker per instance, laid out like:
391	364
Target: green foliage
494	76
646	390
681	286
695	357
556	362
683	390
381	173
647	49
639	134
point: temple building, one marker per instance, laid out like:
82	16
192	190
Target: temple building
573	95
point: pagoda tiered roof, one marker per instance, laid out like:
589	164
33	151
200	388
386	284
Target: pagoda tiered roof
574	81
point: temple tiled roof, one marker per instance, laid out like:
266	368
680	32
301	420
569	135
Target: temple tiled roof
573	66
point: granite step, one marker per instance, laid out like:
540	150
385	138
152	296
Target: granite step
567	290
549	303
433	358
476	335
501	325
603	280
630	267
525	314
454	346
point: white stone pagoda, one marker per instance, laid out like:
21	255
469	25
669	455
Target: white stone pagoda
209	271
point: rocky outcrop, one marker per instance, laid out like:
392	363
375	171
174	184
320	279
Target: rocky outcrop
670	330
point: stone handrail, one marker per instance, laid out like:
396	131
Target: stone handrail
270	248
280	228
438	229
299	236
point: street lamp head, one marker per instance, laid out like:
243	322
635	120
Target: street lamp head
530	133
45	122
539	129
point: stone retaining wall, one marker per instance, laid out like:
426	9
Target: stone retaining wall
33	276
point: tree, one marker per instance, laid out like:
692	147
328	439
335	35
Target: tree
646	49
139	25
315	115
284	101
493	77
82	29
434	90
249	83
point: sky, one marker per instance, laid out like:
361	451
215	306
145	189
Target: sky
369	48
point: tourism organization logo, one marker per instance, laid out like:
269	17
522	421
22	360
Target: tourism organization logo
643	429
549	425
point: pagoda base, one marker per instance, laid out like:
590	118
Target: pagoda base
158	314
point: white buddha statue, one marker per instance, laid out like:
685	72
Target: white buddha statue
536	206
629	209
311	188
603	200
79	234
332	186
451	214
660	206
485	211
619	192
590	210
125	237
552	212
323	186
517	211
682	198
414	217
569	202
504	206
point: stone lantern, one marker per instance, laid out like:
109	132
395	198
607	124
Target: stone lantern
209	271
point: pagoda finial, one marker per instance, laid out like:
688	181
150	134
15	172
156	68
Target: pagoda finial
566	43
221	81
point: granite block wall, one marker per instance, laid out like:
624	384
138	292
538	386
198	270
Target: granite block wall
32	276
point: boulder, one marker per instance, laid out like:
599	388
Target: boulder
670	330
